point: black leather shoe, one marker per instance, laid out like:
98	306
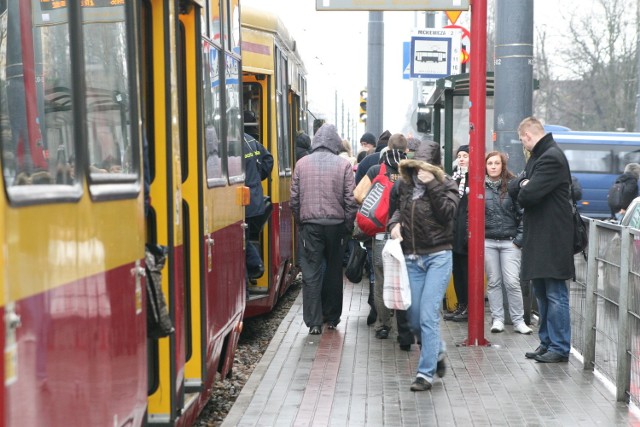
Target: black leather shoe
315	330
257	273
551	357
331	324
538	352
383	333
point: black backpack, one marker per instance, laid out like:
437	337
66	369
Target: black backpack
615	196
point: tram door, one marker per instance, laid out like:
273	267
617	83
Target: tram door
166	216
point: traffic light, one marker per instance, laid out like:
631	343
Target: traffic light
363	106
423	119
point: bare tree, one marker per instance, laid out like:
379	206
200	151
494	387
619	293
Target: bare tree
596	91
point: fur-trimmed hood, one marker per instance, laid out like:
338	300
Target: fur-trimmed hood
409	167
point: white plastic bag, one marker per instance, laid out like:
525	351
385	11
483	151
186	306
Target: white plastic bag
396	292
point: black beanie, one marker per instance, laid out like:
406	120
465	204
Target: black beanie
368	138
383	141
464	148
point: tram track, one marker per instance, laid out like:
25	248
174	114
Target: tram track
254	340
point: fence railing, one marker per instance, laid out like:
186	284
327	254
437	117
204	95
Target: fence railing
605	306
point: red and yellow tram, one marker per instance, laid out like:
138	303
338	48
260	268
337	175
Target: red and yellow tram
275	92
91	94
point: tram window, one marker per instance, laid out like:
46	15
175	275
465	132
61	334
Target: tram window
234	120
212	99
36	108
106	73
252	107
214	21
284	157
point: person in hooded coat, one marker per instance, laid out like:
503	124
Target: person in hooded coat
303	145
324	209
425	201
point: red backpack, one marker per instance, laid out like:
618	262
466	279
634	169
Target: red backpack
373	214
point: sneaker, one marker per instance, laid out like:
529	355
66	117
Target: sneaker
441	367
522	328
497	326
420	384
463	316
332	324
454	313
315	330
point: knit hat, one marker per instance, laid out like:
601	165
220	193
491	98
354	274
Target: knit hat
383	140
368	138
464	148
413	143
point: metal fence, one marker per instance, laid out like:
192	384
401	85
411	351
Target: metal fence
605	306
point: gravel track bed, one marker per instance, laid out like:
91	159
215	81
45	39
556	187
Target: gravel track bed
254	340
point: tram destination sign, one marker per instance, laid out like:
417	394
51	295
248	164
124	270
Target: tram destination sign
392	4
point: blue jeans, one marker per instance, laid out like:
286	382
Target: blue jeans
428	277
554	331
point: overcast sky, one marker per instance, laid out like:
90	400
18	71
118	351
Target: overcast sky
334	48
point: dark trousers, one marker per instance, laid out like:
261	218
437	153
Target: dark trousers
321	251
405	336
461	277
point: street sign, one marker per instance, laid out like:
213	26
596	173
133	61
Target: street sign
392	4
435	53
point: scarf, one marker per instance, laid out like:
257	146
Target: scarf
392	157
463	181
418	187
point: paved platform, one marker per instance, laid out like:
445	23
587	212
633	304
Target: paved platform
347	377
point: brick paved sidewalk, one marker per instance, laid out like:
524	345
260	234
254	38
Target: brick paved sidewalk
347	377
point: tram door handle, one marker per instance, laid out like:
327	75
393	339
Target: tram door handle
13	319
210	242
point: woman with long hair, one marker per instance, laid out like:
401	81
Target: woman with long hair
503	239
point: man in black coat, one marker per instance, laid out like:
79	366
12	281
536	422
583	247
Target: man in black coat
258	166
547	248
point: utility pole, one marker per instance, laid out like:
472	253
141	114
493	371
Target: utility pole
375	74
513	75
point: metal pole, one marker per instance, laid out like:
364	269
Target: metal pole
638	71
477	115
375	74
513	74
335	109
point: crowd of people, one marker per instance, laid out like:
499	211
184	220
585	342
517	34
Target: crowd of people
528	236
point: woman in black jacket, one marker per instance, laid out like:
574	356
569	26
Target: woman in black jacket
503	239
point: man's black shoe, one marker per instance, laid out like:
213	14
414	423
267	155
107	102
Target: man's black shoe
383	333
331	324
256	273
315	330
551	357
372	317
538	352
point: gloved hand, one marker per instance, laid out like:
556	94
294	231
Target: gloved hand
396	232
425	176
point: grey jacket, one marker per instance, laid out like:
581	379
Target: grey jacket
322	183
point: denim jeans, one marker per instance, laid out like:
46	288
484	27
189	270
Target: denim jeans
428	277
554	331
502	265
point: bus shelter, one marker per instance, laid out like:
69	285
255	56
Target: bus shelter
442	97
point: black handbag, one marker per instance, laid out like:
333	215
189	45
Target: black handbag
355	265
580	233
